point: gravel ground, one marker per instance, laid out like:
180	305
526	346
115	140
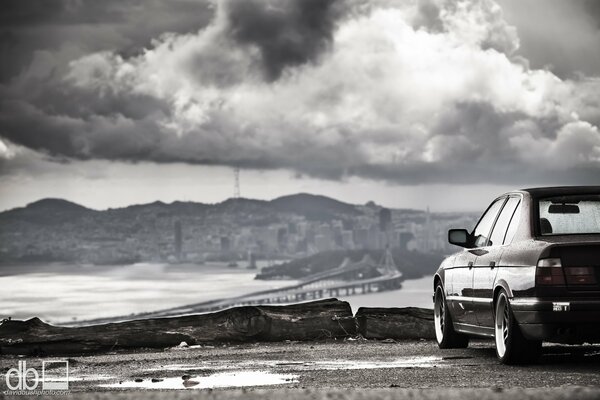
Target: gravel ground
332	370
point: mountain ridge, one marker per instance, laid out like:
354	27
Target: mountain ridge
282	203
60	230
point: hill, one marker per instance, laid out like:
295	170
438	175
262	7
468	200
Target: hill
60	230
45	212
289	227
314	207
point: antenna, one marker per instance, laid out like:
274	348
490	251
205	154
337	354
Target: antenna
236	182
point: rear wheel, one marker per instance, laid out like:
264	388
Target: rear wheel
445	334
511	345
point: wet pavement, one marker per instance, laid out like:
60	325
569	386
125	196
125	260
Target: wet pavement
332	365
211	381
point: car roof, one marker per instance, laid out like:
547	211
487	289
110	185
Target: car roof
561	191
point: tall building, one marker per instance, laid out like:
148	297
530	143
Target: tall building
178	240
385	219
428	231
404	238
373	238
361	238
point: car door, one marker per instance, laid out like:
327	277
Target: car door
461	301
460	282
487	264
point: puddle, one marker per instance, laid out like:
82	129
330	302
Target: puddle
219	380
406	362
403	362
457	358
246	376
79	378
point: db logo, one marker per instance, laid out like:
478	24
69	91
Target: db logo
23	378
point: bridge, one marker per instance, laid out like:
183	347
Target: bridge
349	278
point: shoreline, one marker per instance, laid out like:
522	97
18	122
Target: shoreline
77	290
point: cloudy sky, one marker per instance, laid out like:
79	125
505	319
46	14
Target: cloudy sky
408	103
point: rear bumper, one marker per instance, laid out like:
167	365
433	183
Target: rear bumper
562	320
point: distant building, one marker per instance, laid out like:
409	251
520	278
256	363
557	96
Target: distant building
385	219
282	238
225	244
348	240
324	242
361	238
272	238
373	242
178	240
404	238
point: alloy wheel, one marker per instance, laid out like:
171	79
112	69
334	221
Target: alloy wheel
439	312
502	325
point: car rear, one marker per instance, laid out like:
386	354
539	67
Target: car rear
566	304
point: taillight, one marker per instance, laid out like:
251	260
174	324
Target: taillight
580	275
549	272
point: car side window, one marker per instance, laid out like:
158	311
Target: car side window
501	226
482	230
514	224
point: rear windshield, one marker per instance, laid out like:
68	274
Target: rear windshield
569	215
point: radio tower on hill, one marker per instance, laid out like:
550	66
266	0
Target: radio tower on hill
236	182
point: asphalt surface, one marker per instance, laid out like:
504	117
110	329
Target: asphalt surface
334	369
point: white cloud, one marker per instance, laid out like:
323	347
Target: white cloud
5	151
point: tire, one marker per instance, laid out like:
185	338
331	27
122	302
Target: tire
447	337
511	346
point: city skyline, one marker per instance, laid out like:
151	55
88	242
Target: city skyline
289	227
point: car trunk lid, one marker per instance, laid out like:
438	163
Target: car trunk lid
581	266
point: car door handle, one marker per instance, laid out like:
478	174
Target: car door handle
492	264
470	264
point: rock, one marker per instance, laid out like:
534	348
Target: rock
329	318
395	323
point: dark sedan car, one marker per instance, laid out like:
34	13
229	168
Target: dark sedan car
530	272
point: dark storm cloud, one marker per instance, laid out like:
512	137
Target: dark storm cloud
563	36
414	92
428	16
80	122
110	137
592	8
505	174
86	26
287	33
52	12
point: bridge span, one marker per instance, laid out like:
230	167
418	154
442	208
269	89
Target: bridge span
349	278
